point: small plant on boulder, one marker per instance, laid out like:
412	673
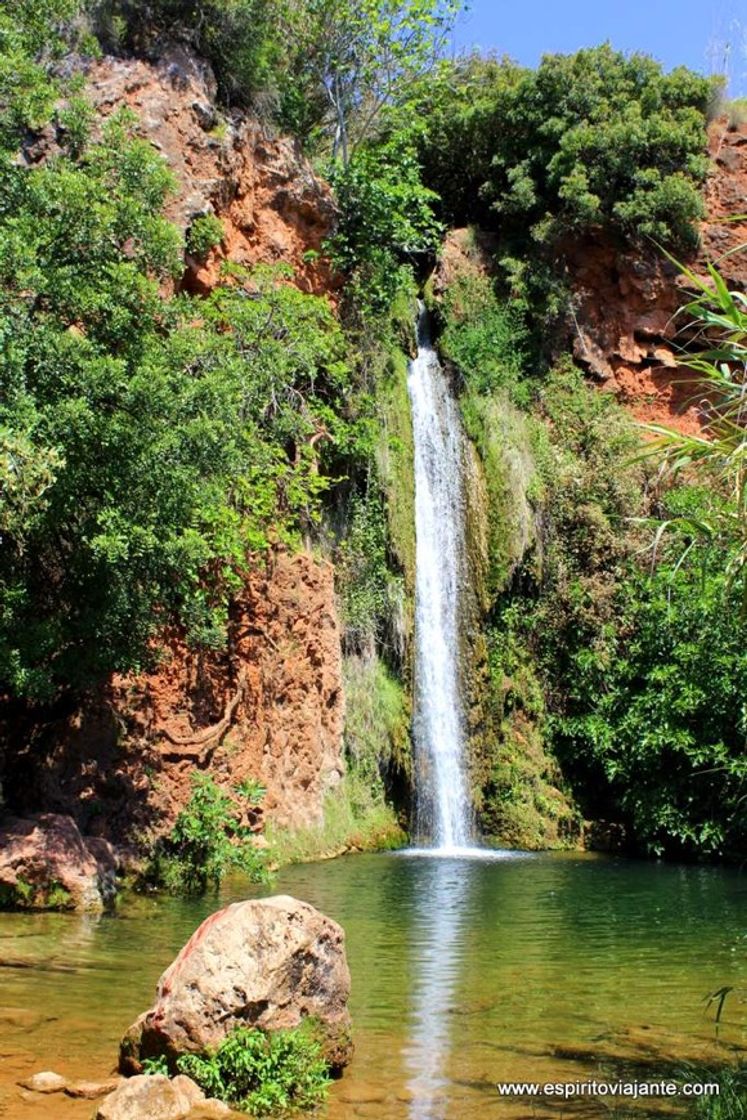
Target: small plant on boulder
265	1074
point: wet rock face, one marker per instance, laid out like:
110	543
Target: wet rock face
45	861
269	963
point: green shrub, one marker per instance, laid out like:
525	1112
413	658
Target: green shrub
366	585
204	234
386	217
730	1103
642	664
265	1074
485	337
26	896
241	38
736	112
586	139
156	1065
207	840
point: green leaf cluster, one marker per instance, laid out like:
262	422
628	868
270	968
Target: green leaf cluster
486	337
208	840
621	650
641	658
589	139
386	221
205	233
266	1074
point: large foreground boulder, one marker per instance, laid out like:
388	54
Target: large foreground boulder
45	863
269	963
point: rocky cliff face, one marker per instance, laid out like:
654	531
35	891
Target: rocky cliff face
274	209
626	332
270	707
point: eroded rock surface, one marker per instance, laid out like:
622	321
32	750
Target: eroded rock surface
272	205
626	329
268	707
269	963
44	860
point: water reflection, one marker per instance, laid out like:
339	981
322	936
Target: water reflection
438	931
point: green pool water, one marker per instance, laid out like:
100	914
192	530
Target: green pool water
465	973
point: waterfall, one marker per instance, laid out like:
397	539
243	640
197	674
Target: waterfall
443	811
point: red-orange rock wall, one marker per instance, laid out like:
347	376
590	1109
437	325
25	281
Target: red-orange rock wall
626	330
274	209
270	707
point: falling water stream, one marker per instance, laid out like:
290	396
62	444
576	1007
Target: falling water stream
476	967
443	817
443	814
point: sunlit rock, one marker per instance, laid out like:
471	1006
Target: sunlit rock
45	1082
151	1097
269	963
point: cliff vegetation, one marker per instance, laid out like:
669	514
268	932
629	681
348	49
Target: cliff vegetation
174	416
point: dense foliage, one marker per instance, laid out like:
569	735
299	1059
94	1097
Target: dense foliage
386	223
209	838
585	140
151	444
325	69
716	455
486	338
643	657
146	447
624	647
275	1074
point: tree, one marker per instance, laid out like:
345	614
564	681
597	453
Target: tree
363	54
586	139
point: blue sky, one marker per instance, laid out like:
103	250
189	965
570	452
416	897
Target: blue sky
697	33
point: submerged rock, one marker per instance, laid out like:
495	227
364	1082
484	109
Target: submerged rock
91	1090
45	1082
269	963
45	863
151	1097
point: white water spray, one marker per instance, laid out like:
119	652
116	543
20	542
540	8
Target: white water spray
443	811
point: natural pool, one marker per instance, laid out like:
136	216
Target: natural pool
465	972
